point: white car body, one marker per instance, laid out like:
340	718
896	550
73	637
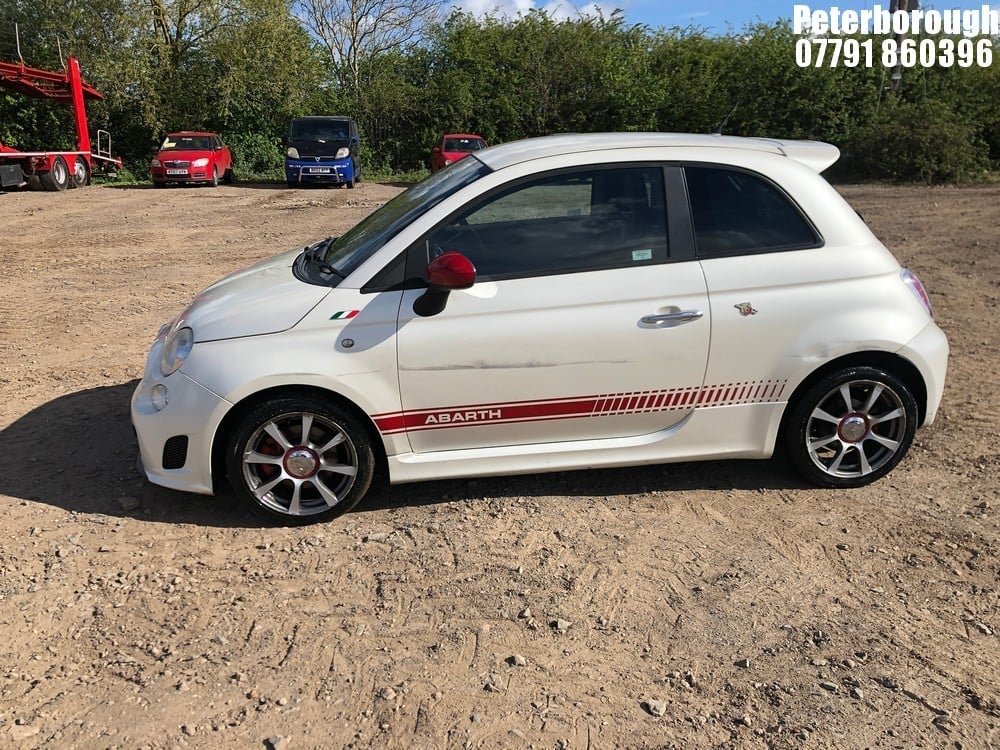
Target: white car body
551	372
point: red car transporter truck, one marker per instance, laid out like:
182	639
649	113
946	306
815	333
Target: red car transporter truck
54	170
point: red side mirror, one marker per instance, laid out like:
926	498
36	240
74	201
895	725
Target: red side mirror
436	150
451	271
446	272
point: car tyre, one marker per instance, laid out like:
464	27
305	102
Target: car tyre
294	479
214	182
851	427
56	178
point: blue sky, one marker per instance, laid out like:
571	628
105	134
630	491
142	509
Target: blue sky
714	15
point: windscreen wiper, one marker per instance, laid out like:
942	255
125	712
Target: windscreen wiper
317	254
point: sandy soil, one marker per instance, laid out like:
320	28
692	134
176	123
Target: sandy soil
688	606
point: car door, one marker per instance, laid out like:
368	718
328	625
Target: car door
767	276
579	325
225	157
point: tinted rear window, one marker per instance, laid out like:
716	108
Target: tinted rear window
737	212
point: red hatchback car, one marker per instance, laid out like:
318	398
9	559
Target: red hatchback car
454	146
191	156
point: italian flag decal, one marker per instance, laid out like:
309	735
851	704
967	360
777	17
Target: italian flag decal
344	314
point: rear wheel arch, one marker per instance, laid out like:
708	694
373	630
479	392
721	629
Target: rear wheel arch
234	416
893	363
853	420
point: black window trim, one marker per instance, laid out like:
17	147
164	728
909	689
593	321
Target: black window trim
689	213
680	226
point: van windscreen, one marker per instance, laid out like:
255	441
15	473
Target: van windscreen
319	130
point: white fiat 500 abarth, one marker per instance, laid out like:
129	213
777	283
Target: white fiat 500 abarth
565	302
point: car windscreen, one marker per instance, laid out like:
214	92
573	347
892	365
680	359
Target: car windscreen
319	130
464	145
186	143
355	247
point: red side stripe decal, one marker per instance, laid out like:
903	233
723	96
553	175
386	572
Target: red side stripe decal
581	406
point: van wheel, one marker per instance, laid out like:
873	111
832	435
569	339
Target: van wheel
300	460
851	428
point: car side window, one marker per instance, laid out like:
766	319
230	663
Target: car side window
736	213
566	222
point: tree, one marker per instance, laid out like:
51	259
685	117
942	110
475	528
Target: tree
239	67
356	31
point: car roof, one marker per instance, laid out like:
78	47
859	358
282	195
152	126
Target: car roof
188	133
463	135
814	154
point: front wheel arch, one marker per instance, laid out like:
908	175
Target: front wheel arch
233	417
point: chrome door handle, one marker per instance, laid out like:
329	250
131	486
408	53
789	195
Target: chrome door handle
676	318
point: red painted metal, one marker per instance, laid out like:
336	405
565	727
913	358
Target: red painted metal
79	110
67	87
44	84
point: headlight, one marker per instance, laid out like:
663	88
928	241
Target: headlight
447	162
342	153
292	152
202	162
176	349
155	163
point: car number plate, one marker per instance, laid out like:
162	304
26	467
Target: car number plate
177	171
319	170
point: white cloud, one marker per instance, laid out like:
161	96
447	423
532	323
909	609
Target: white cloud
560	10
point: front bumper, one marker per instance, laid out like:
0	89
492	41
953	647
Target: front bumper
194	174
335	172
179	435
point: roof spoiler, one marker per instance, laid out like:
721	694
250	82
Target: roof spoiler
814	154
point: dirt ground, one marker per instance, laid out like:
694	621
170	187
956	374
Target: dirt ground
721	605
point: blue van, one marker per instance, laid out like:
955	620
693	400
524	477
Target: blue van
322	149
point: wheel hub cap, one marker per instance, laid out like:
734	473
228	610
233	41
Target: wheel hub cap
853	428
301	462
